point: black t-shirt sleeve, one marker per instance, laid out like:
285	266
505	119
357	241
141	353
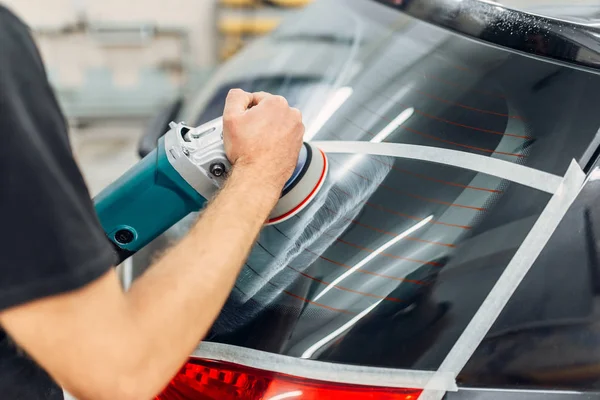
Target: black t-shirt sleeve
50	239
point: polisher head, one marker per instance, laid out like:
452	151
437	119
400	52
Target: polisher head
306	181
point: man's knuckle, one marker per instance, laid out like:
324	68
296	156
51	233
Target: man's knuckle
296	114
280	100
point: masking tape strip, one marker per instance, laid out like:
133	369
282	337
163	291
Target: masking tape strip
507	284
325	371
521	174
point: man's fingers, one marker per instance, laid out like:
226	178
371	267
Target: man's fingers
257	97
237	102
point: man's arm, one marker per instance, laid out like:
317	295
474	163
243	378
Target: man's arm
101	343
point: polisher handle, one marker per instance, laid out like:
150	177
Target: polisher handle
144	202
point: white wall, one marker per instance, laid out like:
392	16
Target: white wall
68	56
104	149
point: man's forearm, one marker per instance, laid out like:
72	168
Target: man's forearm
165	302
137	340
132	343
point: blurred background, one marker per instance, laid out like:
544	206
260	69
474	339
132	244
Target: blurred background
115	64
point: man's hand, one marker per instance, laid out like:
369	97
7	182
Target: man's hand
101	343
262	133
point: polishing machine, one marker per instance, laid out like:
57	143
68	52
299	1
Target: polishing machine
187	169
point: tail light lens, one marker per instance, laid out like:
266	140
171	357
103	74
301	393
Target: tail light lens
211	380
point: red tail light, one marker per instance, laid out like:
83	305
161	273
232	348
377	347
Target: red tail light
210	380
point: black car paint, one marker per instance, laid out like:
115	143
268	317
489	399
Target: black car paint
548	336
557	39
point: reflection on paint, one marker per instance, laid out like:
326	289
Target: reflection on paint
337	99
312	349
380	137
392	126
374	254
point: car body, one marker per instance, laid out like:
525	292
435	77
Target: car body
386	281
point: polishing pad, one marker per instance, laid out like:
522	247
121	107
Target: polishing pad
306	181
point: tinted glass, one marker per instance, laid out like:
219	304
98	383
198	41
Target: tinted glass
394	257
547	336
392	261
292	88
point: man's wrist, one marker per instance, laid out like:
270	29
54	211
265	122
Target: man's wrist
258	182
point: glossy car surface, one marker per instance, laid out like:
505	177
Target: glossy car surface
392	261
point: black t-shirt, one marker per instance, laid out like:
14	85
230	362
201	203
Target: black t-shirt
51	240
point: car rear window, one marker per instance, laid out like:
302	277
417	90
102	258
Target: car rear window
390	263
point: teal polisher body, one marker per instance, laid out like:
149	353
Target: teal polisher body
187	169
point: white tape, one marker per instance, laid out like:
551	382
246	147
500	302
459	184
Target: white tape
517	268
521	174
435	384
325	371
